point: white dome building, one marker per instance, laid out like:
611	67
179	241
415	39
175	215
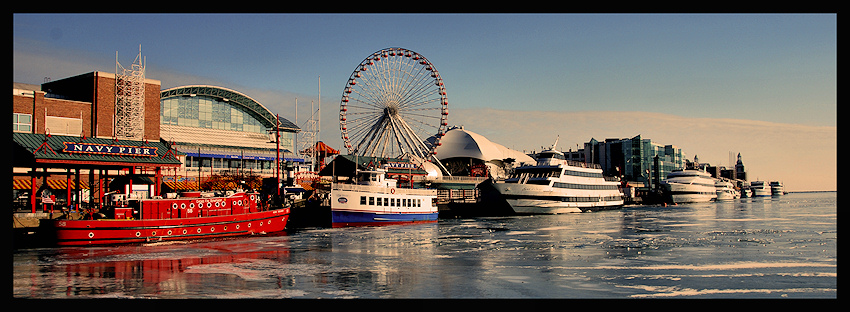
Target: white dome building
461	150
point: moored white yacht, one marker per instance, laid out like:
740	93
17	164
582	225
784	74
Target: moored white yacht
760	189
725	190
776	188
746	191
690	186
556	185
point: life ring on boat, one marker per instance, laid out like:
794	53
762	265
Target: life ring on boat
174	205
392	191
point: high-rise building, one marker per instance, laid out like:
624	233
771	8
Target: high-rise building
633	159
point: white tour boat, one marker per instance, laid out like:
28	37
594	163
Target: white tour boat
760	189
690	186
725	190
556	185
376	200
776	188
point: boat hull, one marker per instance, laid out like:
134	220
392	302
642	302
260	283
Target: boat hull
777	190
690	193
356	205
761	192
537	199
556	205
359	218
726	196
691	198
122	231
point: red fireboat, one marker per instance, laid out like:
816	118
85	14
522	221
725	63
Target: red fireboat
187	217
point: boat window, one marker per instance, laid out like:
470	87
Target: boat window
362	200
551	155
380	202
371	200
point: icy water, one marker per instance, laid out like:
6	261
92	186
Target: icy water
783	247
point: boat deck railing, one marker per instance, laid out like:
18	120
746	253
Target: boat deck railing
383	190
583	164
456	179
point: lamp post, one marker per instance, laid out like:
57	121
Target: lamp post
276	140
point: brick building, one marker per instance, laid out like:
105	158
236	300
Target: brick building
81	110
82	105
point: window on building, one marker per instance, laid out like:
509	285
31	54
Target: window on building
207	112
21	122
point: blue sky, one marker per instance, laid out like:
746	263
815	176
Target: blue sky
771	69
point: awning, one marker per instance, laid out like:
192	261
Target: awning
51	184
32	149
182	185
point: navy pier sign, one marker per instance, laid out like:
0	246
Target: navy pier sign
106	149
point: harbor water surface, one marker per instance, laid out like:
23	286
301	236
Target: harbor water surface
773	247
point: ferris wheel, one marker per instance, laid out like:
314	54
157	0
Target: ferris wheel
393	103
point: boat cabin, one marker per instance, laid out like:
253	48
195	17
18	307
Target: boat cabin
376	177
550	158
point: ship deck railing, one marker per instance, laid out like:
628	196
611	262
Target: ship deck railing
455	179
383	190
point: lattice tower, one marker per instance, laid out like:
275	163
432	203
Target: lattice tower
310	131
130	99
309	135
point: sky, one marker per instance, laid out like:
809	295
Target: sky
763	85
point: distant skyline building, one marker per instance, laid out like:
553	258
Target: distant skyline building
632	158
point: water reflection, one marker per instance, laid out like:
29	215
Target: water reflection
747	248
154	270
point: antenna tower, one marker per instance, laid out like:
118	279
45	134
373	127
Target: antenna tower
130	99
310	132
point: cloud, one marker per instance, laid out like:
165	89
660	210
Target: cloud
803	157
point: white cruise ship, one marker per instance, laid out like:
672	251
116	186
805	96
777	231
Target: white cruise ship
725	190
776	188
690	186
760	189
556	185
